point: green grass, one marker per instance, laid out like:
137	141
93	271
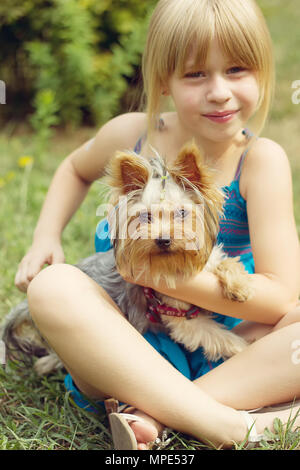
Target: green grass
45	418
37	413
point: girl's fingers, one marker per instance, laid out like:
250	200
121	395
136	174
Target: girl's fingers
21	281
27	271
32	264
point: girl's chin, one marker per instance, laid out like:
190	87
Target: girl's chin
219	133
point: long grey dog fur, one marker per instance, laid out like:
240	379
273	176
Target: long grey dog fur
101	268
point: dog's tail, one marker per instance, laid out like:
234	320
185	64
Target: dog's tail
22	340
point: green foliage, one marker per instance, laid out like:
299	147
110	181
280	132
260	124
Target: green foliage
47	107
70	62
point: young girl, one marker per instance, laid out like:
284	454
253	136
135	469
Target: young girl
213	59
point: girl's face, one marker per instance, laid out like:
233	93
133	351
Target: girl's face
214	100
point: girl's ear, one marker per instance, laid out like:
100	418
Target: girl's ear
127	173
165	89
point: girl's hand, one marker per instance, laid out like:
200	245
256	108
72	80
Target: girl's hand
48	251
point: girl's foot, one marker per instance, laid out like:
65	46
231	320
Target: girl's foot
145	431
129	433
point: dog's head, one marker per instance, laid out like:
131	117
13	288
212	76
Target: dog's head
166	219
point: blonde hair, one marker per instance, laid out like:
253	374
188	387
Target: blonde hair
178	25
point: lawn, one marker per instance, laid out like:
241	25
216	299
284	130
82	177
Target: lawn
36	413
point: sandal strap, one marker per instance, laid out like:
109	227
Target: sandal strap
112	406
253	437
131	417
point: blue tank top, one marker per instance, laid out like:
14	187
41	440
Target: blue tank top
234	229
233	233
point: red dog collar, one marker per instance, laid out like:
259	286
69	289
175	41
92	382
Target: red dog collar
157	308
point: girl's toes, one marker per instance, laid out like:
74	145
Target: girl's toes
143	446
144	432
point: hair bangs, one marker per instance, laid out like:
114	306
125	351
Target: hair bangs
237	39
193	46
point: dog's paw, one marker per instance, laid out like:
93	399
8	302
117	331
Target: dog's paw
226	345
234	279
47	364
238	291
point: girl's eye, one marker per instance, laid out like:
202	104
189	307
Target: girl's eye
145	218
181	213
235	70
194	75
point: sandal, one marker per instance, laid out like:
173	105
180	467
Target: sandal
252	437
122	435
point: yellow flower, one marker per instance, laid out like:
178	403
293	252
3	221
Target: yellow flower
2	182
25	161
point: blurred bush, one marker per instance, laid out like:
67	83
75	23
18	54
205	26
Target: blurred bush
70	62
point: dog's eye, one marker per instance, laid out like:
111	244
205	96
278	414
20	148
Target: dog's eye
181	213
145	218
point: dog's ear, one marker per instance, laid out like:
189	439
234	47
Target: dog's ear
191	172
127	172
190	166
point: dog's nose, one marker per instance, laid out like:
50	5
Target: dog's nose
163	242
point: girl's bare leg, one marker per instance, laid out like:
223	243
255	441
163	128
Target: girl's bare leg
265	373
110	357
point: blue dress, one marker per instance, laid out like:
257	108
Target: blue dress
234	235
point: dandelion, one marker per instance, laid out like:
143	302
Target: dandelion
25	161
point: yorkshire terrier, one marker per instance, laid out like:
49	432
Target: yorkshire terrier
164	222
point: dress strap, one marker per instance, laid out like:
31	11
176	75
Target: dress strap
142	139
249	135
240	165
139	143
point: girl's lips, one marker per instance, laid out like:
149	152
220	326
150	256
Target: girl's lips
221	117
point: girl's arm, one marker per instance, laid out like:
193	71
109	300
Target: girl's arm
268	191
68	189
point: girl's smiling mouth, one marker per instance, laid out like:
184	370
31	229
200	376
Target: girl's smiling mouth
221	116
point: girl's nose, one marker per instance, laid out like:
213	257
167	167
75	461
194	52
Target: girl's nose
219	90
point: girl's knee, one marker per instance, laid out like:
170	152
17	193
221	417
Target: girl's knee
55	292
50	285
